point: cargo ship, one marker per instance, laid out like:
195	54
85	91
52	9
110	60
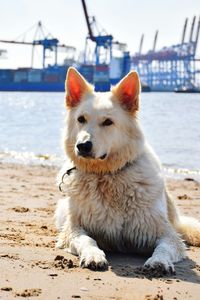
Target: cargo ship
29	79
51	78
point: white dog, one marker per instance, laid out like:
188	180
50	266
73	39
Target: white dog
116	195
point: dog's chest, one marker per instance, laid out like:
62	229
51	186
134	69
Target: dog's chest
111	209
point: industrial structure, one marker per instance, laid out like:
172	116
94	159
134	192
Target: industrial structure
171	68
46	40
175	68
49	77
101	62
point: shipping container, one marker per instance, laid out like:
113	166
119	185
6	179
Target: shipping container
116	68
88	72
101	73
34	75
51	78
21	75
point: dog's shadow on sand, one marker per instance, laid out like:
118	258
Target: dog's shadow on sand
131	266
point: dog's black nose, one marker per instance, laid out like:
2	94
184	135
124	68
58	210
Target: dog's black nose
84	148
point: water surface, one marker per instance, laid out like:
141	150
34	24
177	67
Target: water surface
31	125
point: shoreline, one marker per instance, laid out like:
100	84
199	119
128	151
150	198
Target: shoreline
32	267
57	161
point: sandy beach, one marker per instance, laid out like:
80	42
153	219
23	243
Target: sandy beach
32	267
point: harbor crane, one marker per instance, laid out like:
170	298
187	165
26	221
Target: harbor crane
101	40
171	68
103	53
48	43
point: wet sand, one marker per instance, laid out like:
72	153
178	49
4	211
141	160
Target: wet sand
31	267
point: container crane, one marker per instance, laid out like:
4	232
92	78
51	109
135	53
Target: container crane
104	60
197	36
192	28
155	41
102	42
47	43
171	68
141	44
184	31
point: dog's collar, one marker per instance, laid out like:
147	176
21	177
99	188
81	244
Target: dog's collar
128	164
68	172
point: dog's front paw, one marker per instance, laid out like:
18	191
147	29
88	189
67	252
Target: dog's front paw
94	259
61	241
158	266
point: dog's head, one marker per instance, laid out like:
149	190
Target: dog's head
102	132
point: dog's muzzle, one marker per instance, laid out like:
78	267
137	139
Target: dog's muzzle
85	149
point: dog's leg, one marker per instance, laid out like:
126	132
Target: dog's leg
79	243
90	255
169	249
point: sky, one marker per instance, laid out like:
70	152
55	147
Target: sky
126	20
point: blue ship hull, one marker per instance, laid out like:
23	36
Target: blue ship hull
51	79
32	87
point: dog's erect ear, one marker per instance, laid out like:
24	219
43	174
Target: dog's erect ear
127	91
76	86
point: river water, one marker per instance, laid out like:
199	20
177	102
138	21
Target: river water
31	126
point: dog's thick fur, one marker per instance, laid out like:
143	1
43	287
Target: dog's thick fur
116	197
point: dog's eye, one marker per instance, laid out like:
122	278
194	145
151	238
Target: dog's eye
81	119
107	122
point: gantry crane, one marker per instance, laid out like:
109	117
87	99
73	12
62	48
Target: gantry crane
48	43
171	67
104	45
101	40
